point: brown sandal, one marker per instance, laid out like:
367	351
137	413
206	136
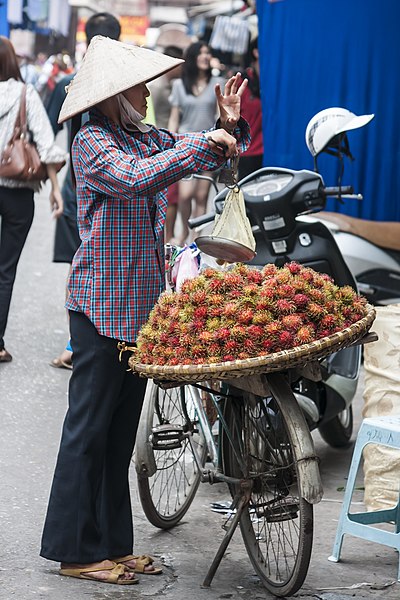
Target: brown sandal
142	562
5	356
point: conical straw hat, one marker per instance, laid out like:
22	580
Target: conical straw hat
108	68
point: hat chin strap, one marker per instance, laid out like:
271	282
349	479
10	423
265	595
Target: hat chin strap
339	147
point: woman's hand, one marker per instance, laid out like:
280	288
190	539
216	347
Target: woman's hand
229	101
222	143
56	202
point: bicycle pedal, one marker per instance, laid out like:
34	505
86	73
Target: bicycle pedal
167	437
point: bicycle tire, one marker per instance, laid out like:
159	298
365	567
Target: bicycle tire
167	494
277	524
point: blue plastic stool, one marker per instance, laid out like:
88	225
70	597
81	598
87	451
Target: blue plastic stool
377	430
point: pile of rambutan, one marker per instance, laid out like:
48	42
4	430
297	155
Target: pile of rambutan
245	312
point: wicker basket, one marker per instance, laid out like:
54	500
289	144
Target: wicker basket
278	361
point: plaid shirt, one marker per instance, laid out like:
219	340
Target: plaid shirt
121	179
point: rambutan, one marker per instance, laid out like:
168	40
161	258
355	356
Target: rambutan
284	307
230	309
231	345
245	316
286	339
292	322
304	335
315	311
200	312
206	336
294	267
262	317
268	270
329	322
286	291
222	334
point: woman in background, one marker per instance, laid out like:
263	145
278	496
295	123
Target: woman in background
193	108
16	197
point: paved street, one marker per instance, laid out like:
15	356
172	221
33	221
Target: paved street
33	400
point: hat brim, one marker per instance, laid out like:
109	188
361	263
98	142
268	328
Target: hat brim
355	123
109	68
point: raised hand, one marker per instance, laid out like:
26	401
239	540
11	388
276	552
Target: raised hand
229	101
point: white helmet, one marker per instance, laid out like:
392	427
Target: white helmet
328	123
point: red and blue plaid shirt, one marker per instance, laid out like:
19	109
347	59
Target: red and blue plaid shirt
121	180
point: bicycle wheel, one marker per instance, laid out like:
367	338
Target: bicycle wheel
277	525
167	418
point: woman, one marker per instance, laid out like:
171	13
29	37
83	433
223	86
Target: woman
193	108
252	159
122	169
16	197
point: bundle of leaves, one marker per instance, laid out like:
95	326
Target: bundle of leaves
245	312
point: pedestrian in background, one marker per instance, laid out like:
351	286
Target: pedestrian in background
193	108
17	197
160	90
122	169
67	240
252	158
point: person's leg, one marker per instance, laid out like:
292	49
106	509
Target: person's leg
201	191
16	210
249	164
77	529
186	188
172	211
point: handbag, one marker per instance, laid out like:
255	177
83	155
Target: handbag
20	159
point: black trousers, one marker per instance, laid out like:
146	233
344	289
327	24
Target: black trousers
89	515
16	211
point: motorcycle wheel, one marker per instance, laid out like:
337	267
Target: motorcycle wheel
338	431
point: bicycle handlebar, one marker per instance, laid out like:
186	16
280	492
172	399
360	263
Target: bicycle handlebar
202	220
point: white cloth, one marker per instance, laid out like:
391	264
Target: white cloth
230	34
14	12
131	119
59	16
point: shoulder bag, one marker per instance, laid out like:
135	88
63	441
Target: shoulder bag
20	159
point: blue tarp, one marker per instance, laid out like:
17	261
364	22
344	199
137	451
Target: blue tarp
317	54
4	30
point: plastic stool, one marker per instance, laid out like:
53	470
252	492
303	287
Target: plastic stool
377	430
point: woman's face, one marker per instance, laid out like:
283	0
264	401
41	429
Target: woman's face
203	58
136	96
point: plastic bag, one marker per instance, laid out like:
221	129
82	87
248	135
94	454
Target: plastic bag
186	266
233	223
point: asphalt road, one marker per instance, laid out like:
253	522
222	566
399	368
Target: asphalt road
33	399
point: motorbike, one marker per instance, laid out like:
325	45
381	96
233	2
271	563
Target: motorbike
276	201
375	269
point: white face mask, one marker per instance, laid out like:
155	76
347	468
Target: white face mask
131	119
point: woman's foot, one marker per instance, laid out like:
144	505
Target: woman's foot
64	361
105	571
5	356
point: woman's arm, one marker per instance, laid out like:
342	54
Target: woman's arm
101	165
382	233
173	122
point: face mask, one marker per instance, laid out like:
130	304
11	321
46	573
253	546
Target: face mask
131	119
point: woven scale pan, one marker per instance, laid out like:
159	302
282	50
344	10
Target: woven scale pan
277	361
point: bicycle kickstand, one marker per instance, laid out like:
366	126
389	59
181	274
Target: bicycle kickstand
246	486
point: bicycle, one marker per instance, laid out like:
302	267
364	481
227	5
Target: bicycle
264	453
